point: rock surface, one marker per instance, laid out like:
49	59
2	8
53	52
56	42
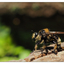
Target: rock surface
51	58
36	56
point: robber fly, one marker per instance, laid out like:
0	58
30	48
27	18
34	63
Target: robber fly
44	36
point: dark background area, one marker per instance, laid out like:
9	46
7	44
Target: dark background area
21	33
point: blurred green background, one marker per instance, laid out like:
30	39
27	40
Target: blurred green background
18	19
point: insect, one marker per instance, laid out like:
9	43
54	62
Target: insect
45	37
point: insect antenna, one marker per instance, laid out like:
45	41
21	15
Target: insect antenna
32	31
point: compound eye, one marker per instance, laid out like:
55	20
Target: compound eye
43	31
36	34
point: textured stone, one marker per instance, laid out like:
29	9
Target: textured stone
36	56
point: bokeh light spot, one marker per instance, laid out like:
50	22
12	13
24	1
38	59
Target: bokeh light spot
16	21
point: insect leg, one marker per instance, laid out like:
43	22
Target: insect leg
46	50
36	46
59	44
55	47
43	47
56	43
